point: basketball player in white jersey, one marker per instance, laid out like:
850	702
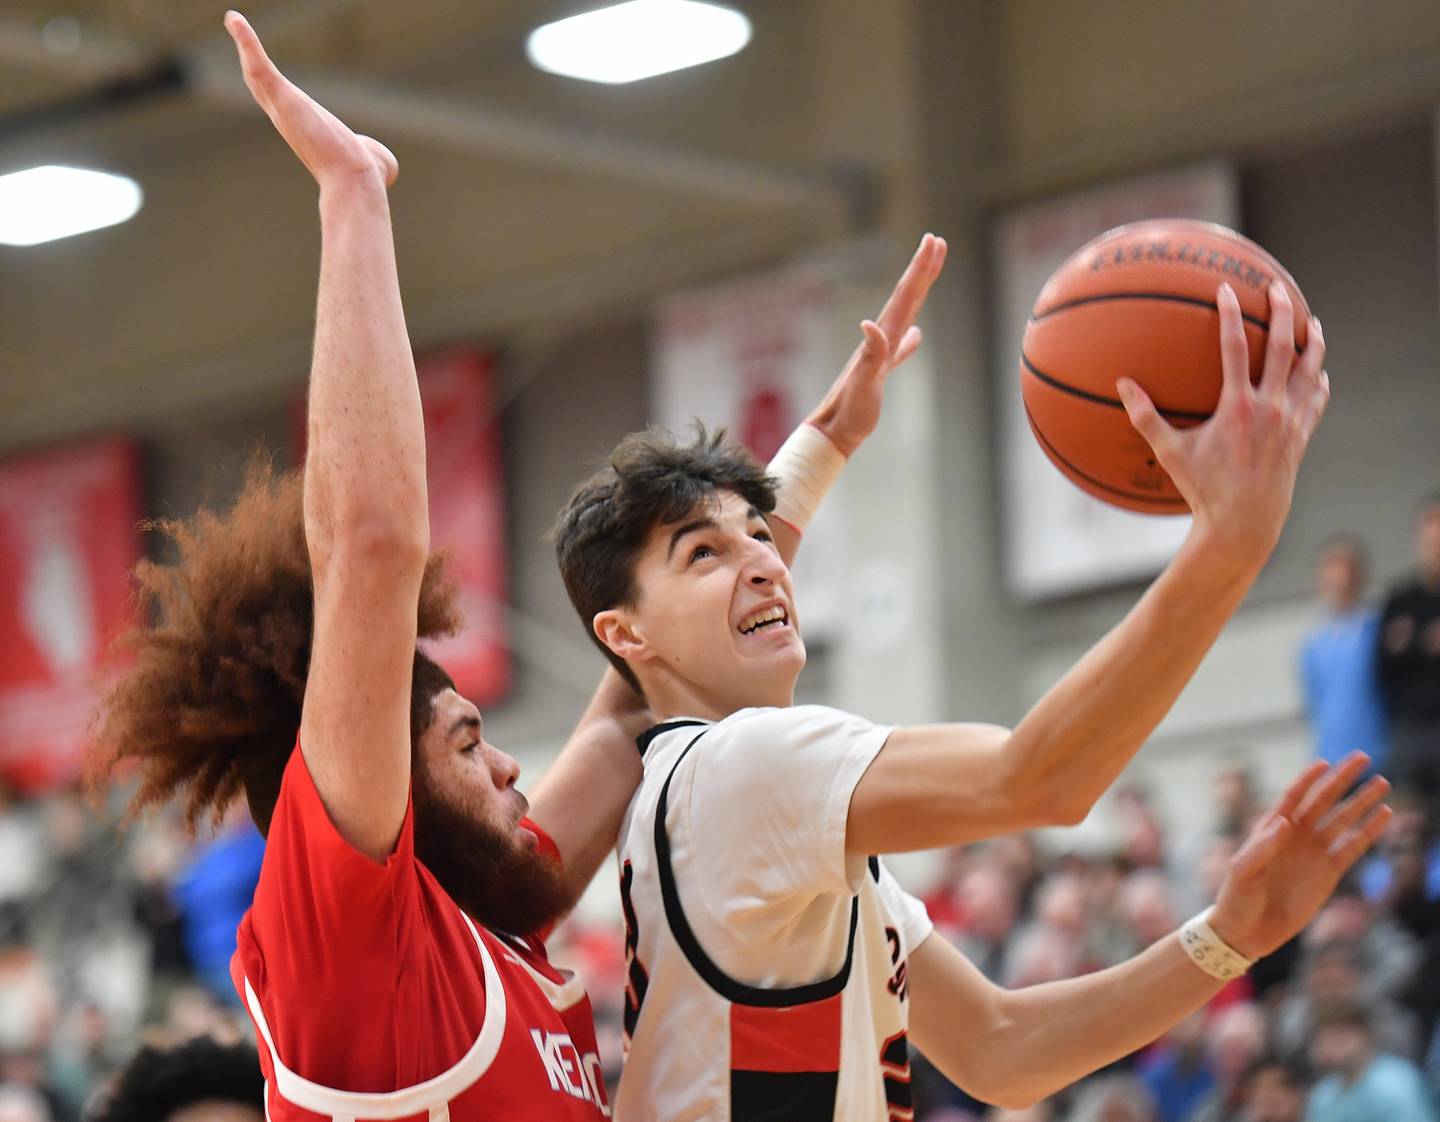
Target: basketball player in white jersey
773	962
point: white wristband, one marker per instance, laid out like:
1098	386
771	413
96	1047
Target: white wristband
1210	952
806	467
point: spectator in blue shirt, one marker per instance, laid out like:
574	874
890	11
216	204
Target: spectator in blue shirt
1177	1071
1339	662
213	893
1359	1085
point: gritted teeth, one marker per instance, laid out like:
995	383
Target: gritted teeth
766	617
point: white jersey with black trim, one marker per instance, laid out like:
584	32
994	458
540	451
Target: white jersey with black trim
766	966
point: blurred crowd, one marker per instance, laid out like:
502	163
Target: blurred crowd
110	943
1348	1010
111	938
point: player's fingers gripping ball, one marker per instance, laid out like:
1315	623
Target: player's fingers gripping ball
1139	302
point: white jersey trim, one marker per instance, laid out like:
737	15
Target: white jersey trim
561	995
430	1096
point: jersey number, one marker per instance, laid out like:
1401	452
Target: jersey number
895	1068
899	983
636	979
895	1055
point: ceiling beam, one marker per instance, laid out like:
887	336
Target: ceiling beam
588	291
211	74
476	128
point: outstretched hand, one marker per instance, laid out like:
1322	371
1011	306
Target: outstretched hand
1297	853
851	409
1237	469
324	143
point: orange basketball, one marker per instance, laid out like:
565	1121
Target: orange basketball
1139	302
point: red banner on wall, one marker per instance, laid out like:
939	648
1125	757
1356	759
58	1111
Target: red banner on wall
465	475
68	541
467	515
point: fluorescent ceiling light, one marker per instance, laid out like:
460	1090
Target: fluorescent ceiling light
638	39
42	204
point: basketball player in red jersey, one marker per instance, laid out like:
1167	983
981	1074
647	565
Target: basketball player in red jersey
376	961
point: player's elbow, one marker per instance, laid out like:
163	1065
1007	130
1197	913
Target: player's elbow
1036	809
1015	1098
1000	1085
1070	811
1040	800
364	516
369	543
1006	1084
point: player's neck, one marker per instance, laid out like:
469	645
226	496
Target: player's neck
670	697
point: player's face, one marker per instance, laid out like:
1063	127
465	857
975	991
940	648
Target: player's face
458	759
467	824
716	610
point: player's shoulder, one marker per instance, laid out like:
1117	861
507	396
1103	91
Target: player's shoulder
792	736
793	721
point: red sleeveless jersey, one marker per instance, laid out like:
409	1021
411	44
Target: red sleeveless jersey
375	997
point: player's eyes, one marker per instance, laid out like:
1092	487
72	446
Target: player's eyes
700	552
762	536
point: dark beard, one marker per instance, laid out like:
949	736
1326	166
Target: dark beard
495	882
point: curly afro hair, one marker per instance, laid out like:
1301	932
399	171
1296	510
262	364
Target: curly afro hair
209	708
158	1082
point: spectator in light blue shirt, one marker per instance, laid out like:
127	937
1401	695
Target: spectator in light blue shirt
1339	662
1359	1085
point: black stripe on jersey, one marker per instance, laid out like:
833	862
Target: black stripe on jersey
726	986
643	740
874	863
895	1070
895	1057
769	1096
637	980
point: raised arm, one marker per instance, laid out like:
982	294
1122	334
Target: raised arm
581	800
366	515
1015	1047
943	785
813	456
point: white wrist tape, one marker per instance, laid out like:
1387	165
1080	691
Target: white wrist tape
806	467
1210	952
